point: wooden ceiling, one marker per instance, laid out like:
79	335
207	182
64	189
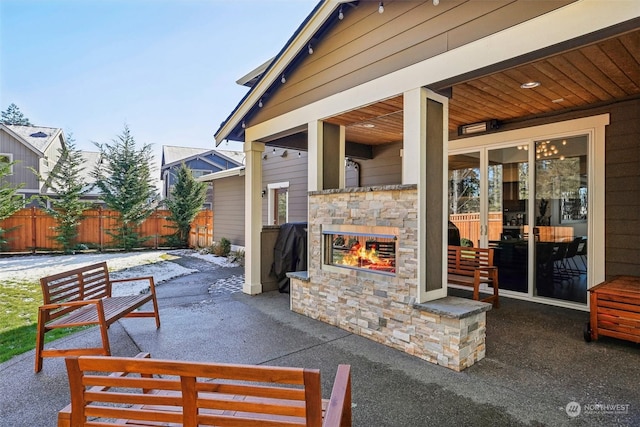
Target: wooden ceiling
594	74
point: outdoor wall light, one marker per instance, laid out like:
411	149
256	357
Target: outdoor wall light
284	154
478	127
264	192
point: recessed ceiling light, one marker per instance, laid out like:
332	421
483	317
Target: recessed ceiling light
557	101
529	85
368	125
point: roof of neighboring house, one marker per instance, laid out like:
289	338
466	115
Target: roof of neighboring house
37	138
89	161
237	171
172	155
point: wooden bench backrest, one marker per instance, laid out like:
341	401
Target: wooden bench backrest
80	284
464	260
193	394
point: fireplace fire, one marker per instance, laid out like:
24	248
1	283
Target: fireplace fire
366	251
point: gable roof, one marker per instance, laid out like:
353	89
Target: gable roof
172	156
37	138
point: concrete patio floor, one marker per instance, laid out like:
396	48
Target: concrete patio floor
536	362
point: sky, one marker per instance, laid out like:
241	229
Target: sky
165	68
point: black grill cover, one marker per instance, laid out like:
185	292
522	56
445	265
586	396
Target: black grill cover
290	252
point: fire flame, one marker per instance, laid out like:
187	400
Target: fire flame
361	257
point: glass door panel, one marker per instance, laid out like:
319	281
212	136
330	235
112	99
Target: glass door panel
508	194
464	199
561	202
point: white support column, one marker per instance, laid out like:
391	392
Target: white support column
314	155
252	216
418	166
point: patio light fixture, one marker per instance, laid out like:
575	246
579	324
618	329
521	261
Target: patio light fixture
381	8
529	85
340	14
310	49
283	79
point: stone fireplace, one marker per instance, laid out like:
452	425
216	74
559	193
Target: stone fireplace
363	277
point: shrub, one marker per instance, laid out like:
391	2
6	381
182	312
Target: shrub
222	248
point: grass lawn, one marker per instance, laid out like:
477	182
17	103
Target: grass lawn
19	302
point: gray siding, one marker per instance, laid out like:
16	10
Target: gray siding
228	209
384	169
292	169
622	205
367	45
26	159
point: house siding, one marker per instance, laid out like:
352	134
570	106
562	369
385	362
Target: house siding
25	158
622	188
384	169
292	169
228	207
367	45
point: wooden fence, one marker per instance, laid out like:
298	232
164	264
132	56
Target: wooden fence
32	230
469	226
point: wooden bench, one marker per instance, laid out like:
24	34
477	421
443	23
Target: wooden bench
124	391
472	267
82	297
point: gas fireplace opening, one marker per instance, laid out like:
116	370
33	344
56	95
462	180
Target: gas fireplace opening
371	249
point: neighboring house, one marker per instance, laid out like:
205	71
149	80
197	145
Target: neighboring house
228	201
31	147
518	120
201	162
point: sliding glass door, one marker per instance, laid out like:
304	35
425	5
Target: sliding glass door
535	218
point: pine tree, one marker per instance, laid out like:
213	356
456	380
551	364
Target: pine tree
69	186
10	200
124	179
186	201
13	116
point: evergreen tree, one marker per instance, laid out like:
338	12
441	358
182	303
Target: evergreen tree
186	201
124	179
13	116
69	186
10	200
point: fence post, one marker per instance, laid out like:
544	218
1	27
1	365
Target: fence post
100	228
157	226
33	229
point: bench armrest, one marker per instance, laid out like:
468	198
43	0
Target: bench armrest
339	408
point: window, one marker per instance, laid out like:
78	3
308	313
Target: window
7	158
278	203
